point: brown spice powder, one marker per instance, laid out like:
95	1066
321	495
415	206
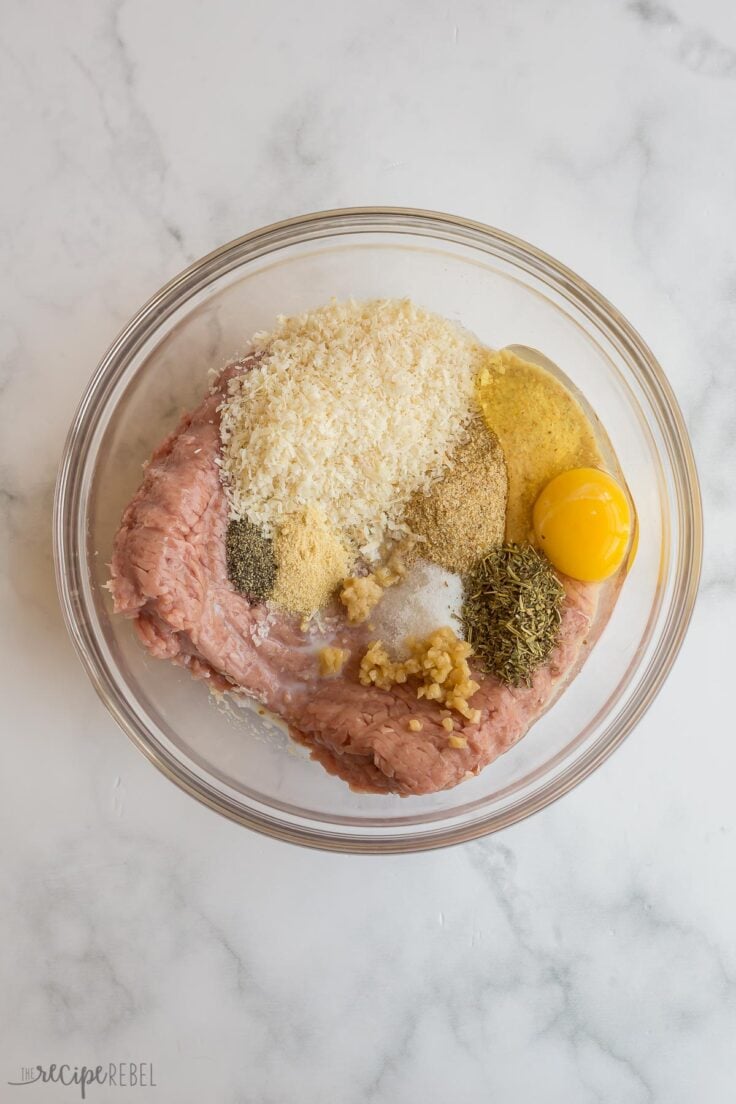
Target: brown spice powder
464	513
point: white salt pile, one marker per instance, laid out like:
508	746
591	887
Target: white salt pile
428	598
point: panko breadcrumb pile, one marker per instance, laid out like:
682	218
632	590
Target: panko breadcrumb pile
349	409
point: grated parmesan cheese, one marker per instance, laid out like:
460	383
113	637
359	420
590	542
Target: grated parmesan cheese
351	408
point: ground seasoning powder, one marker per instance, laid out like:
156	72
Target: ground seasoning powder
463	514
512	612
251	565
311	562
542	428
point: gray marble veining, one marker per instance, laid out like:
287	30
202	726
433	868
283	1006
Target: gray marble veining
586	955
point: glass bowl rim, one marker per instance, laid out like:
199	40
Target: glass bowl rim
69	563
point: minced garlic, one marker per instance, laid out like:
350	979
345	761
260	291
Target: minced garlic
361	594
440	661
332	660
457	742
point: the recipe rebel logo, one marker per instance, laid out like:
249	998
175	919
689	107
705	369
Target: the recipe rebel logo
116	1075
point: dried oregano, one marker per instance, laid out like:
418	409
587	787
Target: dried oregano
512	611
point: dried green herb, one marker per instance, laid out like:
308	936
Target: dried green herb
251	566
512	611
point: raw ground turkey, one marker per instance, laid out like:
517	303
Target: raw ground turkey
169	574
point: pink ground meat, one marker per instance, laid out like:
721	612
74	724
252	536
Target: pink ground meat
169	574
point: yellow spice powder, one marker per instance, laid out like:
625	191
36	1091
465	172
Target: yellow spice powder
542	429
311	562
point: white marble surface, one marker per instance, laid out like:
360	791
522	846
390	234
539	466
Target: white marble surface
586	955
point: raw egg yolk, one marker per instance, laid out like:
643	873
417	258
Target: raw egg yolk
582	522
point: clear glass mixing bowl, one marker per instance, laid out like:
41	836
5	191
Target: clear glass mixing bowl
508	293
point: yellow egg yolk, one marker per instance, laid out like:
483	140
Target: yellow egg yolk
582	522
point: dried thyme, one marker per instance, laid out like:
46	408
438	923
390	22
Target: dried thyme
251	566
511	613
